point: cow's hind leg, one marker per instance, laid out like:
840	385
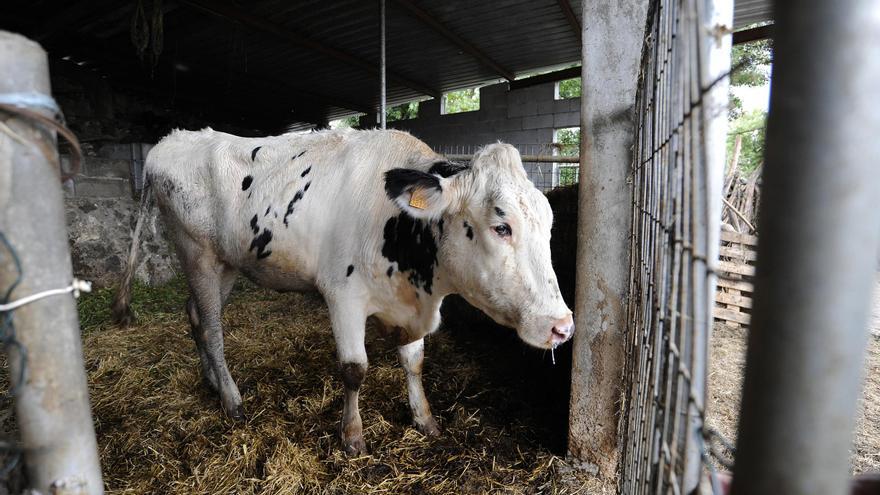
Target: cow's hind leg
209	280
412	356
226	282
349	322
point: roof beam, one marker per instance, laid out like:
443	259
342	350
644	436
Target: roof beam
572	18
754	34
233	13
558	75
445	32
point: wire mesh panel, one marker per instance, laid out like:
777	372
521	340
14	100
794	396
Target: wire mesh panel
538	162
673	219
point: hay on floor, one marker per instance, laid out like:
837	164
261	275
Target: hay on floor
160	429
726	371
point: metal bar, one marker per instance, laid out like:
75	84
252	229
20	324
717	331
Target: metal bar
819	237
464	157
233	13
51	402
383	110
445	32
558	75
753	34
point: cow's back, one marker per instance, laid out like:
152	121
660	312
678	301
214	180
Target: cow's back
284	208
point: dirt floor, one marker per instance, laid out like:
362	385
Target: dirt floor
160	430
727	363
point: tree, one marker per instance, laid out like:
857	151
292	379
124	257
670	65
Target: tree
402	112
750	66
466	100
570	88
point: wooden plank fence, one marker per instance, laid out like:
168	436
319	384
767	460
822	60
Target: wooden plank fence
736	269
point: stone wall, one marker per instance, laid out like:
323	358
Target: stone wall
526	118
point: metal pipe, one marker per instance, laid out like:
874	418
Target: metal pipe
464	157
819	235
382	83
51	402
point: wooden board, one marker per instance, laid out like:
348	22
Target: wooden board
742	285
738	254
731	316
738	268
738	238
733	299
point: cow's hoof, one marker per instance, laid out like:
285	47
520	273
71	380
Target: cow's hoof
236	413
354	446
429	427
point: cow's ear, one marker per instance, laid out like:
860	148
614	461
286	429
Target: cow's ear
419	194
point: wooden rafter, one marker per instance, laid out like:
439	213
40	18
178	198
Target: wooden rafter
571	17
445	32
235	14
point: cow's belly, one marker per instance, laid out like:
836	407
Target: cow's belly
280	270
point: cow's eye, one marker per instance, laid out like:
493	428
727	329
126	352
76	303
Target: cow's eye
503	230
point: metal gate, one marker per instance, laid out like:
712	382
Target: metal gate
677	164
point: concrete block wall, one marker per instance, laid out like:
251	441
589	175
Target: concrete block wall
526	118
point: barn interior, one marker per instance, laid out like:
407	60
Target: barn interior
126	73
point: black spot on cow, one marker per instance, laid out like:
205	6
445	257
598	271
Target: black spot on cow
306	187
446	169
254	226
410	243
500	212
246	183
306	172
469	231
390	271
296	197
349	271
440	226
267	210
260	242
294	157
254	153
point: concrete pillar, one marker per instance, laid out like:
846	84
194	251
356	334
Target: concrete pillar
46	369
612	44
819	234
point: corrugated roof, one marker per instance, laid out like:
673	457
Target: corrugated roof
313	60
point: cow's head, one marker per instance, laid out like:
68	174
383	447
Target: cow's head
495	245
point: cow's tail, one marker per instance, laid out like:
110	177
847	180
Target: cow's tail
121	306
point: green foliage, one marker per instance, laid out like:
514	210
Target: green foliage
751	63
403	111
94	307
568	141
751	127
570	88
348	122
466	100
568	175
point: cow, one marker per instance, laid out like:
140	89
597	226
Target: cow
377	222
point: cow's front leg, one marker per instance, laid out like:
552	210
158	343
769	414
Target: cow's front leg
412	356
348	322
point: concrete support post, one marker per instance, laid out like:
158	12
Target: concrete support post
819	234
51	402
612	42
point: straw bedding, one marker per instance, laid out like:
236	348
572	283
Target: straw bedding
160	430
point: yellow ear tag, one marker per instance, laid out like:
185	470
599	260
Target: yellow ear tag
418	199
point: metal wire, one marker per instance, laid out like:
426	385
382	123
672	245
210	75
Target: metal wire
545	174
662	432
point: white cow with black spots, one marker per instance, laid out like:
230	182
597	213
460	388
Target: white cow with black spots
375	221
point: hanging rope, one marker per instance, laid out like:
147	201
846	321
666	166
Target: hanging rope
148	34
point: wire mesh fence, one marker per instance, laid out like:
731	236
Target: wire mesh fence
662	434
547	165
